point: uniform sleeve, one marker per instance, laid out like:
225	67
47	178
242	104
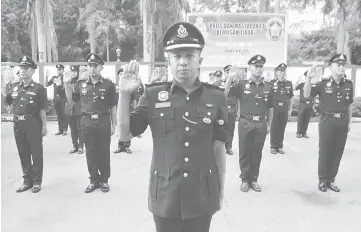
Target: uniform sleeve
235	90
139	116
221	125
50	82
270	99
112	95
291	91
298	87
315	89
141	89
76	91
42	98
351	94
8	92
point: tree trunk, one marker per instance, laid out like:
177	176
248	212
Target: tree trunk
264	6
90	26
341	30
39	14
148	35
277	6
346	48
108	45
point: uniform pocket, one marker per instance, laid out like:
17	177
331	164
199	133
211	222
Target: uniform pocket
163	121
208	183
159	185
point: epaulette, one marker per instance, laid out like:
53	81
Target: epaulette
84	79
212	86
348	80
325	79
158	83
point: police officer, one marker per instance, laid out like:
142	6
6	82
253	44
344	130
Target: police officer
232	114
123	146
73	110
98	121
29	101
282	107
188	121
211	78
255	96
59	99
305	108
336	96
218	76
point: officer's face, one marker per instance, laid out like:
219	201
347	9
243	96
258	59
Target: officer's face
60	71
256	70
26	72
338	68
74	74
281	75
94	70
120	74
184	63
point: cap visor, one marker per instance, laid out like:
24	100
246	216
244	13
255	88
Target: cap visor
175	46
26	65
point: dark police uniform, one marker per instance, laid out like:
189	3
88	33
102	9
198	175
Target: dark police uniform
255	100
218	74
232	103
74	113
59	101
184	189
305	108
333	126
27	101
96	102
282	93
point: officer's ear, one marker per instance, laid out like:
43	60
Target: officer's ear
101	67
200	60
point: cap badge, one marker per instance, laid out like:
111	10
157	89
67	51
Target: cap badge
328	84
84	85
258	58
182	32
92	57
163	96
24	59
15	88
342	57
247	86
220	122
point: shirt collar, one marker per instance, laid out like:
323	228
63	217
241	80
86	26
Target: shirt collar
342	80
261	80
31	83
90	81
175	85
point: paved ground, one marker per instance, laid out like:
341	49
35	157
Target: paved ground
290	201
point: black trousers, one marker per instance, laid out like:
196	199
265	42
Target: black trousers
198	224
278	126
76	135
126	144
29	141
232	116
252	136
97	135
332	140
304	116
59	105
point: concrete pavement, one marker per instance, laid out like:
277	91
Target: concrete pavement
290	201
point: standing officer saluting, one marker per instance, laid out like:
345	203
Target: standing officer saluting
218	78
336	96
59	99
232	114
305	108
98	106
255	96
73	109
282	107
188	121
29	101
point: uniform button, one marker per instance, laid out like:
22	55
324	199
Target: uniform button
186	159
161	114
210	171
187	98
187	128
155	173
229	107
185	174
21	105
186	144
186	114
257	103
209	113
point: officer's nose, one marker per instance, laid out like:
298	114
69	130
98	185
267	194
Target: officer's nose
183	61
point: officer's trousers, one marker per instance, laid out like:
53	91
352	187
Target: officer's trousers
76	135
29	141
278	126
97	134
198	224
126	144
59	105
252	136
304	116
232	116
332	140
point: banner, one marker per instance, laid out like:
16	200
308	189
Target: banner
233	38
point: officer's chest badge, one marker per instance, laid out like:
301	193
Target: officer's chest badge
92	57
220	122
163	95
247	86
15	88
207	120
328	84
182	32
84	85
24	59
275	84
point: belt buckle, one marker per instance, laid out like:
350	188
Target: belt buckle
20	117
337	115
256	118
280	103
307	102
94	116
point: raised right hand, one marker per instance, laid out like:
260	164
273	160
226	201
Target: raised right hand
129	81
312	72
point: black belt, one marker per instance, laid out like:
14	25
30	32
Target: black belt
306	101
281	103
232	106
337	115
22	117
94	115
253	118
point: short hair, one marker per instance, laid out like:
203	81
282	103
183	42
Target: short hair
119	71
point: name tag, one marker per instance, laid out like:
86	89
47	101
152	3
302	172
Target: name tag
14	94
31	93
102	90
162	105
209	105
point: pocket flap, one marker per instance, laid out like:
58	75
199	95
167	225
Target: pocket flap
165	173
203	171
207	113
163	113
